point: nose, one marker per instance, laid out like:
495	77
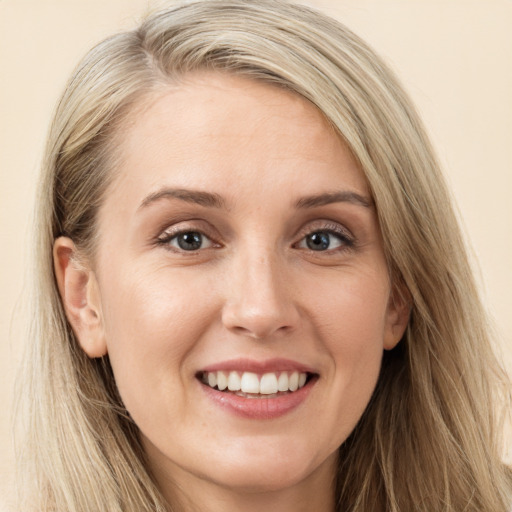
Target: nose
260	301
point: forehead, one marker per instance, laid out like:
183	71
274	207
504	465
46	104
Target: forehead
221	132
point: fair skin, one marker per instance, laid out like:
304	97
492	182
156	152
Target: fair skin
277	267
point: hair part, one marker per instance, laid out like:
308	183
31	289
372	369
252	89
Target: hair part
429	439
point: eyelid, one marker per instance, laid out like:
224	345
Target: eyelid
202	227
328	227
196	226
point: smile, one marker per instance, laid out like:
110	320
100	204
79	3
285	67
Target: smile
253	385
255	390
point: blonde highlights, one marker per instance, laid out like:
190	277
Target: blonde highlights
429	439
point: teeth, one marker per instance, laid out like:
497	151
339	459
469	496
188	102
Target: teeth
222	381
282	382
293	383
252	383
268	384
234	383
212	379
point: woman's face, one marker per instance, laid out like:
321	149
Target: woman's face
239	246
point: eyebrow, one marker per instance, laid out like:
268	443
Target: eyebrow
213	200
344	196
207	199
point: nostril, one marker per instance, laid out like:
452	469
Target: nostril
259	324
260	303
261	332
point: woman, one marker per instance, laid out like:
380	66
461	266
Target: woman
252	289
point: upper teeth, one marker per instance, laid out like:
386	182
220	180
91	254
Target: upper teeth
248	382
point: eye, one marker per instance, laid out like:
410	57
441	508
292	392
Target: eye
324	240
186	240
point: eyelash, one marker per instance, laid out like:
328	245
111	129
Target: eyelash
346	238
347	241
167	237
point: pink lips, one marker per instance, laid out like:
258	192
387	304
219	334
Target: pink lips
259	408
249	365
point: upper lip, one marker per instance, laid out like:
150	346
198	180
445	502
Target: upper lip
260	367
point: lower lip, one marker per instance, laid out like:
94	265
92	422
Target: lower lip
259	408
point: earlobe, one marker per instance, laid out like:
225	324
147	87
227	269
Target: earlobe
80	297
399	310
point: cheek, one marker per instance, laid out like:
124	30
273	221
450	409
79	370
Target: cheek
151	323
351	311
352	322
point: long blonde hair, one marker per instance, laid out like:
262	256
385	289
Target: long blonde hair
430	437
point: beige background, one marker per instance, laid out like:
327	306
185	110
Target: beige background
454	57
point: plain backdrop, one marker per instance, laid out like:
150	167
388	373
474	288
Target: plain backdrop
453	56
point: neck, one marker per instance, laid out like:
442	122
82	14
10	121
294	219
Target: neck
316	492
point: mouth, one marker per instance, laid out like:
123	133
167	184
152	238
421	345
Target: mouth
258	390
256	385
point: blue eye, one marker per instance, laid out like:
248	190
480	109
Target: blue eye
189	241
323	241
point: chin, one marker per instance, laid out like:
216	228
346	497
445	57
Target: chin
259	480
271	470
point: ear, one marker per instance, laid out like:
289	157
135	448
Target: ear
80	296
397	316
